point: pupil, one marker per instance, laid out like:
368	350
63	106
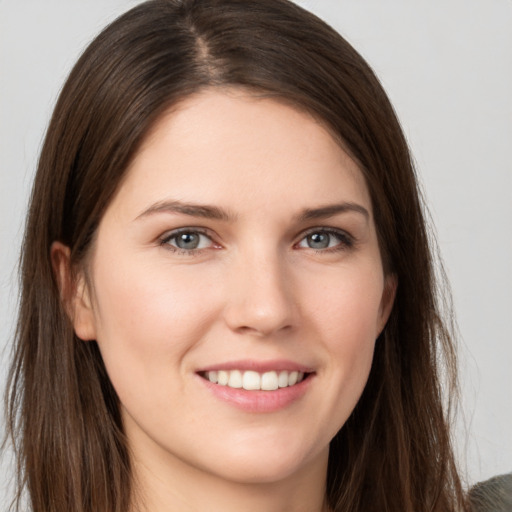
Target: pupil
318	240
187	241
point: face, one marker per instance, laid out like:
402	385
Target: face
235	289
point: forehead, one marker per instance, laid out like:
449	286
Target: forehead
244	151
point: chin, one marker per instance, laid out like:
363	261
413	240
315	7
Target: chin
266	463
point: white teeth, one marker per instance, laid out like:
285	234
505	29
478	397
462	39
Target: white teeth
251	380
269	381
235	379
283	379
223	378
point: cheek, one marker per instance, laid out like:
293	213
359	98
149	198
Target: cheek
347	307
346	315
148	318
136	296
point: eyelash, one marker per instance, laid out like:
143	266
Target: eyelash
166	239
346	241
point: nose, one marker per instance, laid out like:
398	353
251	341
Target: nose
260	298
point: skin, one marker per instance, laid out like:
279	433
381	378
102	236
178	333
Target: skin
253	289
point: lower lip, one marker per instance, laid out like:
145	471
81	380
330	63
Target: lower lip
259	401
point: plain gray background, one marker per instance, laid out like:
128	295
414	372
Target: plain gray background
447	66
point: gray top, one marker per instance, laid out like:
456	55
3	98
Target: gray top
493	495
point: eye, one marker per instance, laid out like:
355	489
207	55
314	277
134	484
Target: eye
187	240
326	239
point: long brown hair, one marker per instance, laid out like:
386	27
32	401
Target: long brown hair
394	452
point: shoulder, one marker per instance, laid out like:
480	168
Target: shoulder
493	495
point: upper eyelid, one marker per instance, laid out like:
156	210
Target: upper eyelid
166	238
325	229
345	239
167	235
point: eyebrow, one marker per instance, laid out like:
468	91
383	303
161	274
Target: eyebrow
324	212
214	212
194	210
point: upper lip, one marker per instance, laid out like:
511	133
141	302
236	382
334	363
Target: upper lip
260	366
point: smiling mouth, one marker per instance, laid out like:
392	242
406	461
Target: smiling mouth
255	381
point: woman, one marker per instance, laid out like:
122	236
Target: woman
228	295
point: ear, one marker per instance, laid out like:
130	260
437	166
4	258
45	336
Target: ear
387	301
74	292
